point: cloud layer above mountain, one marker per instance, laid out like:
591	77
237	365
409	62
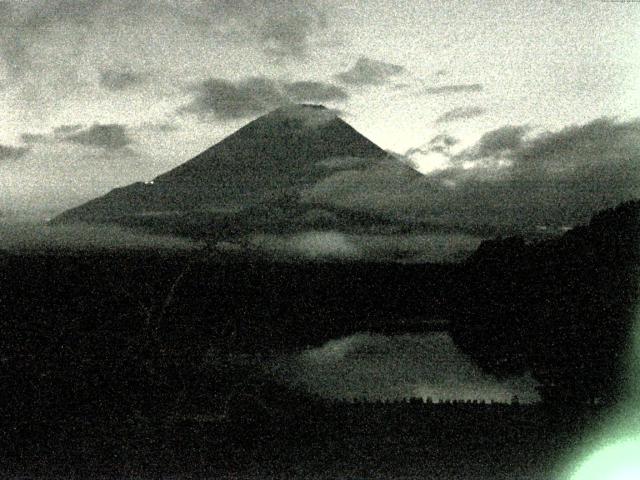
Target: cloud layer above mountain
283	29
108	137
455	88
227	100
308	91
121	79
287	31
8	152
367	71
460	113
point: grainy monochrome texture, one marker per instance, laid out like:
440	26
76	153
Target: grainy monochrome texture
339	239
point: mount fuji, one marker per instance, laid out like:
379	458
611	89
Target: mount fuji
278	173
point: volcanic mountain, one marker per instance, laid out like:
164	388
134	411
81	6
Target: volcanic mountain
256	178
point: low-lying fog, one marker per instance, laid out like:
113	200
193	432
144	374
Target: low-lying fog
411	247
309	245
33	237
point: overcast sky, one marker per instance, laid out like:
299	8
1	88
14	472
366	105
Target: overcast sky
99	93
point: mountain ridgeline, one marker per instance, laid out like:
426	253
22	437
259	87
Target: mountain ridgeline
267	163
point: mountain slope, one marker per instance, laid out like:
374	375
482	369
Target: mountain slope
286	151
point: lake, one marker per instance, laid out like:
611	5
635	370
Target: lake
372	367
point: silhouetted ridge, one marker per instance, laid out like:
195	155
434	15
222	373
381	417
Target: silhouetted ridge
561	308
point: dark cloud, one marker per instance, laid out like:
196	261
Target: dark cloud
282	29
597	141
455	88
8	152
44	13
440	144
311	117
22	24
162	127
460	113
582	168
506	181
306	91
556	177
34	138
369	72
442	141
107	136
413	151
503	139
231	100
12	50
287	33
66	129
381	187
114	79
226	99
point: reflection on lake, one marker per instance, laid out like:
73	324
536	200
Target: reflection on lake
367	366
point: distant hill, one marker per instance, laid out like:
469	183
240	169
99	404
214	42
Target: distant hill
263	166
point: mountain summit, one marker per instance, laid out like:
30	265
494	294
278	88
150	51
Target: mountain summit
279	155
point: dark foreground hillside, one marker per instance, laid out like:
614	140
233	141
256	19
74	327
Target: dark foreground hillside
274	438
563	308
130	362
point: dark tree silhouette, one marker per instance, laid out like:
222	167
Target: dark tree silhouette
562	308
